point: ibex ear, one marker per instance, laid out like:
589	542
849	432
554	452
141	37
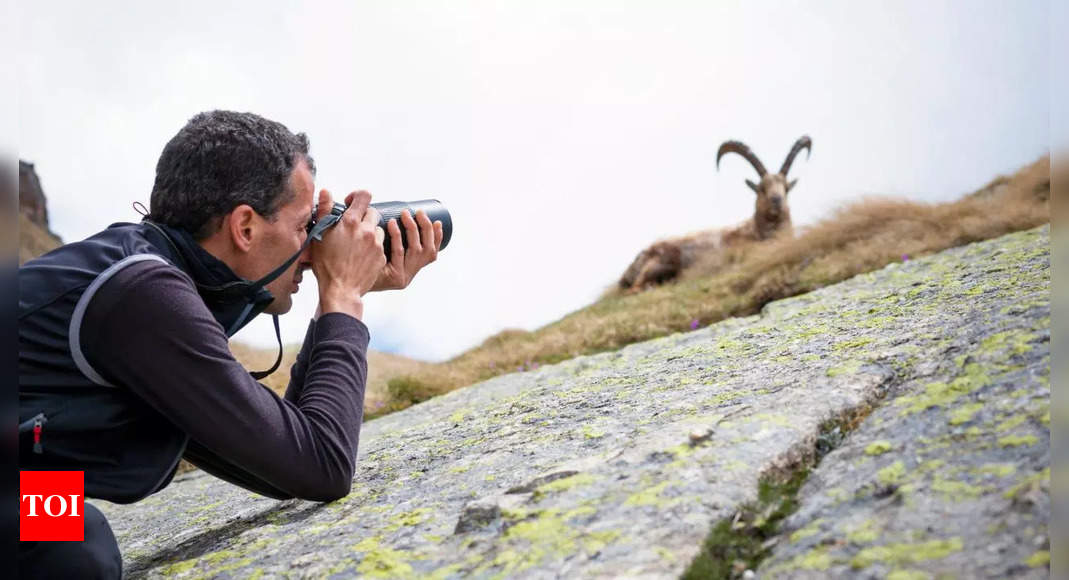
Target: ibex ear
752	185
791	184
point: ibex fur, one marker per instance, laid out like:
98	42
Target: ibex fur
664	260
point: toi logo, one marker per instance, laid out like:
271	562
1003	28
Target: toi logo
51	506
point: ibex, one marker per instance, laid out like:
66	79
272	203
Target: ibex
664	260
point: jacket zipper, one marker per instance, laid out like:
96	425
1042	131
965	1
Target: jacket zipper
38	426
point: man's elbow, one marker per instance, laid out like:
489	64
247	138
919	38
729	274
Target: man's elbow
328	489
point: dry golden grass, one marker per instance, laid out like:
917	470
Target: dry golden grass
860	237
381	367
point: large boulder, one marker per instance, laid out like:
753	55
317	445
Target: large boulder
926	380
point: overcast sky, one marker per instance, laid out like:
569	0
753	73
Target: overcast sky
563	136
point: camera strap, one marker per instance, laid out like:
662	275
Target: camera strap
315	233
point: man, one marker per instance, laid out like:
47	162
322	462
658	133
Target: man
123	355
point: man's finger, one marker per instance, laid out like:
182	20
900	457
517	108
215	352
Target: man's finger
426	230
439	235
414	242
324	205
379	235
397	249
358	201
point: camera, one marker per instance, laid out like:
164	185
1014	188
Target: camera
391	210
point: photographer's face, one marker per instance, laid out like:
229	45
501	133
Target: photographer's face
283	238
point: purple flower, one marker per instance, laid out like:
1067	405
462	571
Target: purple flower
534	366
905	257
694	324
519	369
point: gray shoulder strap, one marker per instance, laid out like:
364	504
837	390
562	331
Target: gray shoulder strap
83	304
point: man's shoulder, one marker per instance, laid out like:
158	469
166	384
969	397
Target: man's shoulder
152	281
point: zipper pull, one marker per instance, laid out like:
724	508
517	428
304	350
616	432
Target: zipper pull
37	447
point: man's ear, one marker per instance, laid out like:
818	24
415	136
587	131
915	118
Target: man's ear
241	224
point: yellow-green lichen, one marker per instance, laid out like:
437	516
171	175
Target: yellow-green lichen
957	490
848	368
649	496
1040	558
964	413
410	518
942	394
878	448
811	529
566	483
999	469
902	574
1010	423
892	474
898	554
1017	440
381	561
1027	483
865	533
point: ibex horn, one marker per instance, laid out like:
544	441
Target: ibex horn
803	142
740	148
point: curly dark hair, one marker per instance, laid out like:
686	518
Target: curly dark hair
220	160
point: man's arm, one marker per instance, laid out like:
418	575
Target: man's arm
149	331
300	365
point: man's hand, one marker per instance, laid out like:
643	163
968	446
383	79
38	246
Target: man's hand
423	245
350	258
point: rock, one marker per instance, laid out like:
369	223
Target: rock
771	390
477	514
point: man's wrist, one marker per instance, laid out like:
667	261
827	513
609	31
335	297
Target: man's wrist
345	302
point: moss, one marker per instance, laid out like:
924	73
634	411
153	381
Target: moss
892	474
1017	440
725	545
878	448
898	554
1040	558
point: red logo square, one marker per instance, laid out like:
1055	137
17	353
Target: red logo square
51	506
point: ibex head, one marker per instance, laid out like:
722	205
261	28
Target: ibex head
772	211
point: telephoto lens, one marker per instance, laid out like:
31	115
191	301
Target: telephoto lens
391	210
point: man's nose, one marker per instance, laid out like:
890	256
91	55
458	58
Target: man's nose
305	260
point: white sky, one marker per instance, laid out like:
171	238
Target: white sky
563	136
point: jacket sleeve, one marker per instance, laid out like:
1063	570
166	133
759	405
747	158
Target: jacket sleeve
300	366
147	330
